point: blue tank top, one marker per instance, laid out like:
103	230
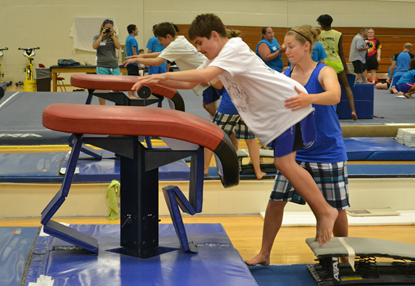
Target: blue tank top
329	146
277	63
226	106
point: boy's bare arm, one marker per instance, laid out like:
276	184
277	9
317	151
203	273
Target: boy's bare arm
146	61
181	80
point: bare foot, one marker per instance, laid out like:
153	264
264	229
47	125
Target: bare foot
260	175
325	226
407	95
133	97
206	171
354	116
260	259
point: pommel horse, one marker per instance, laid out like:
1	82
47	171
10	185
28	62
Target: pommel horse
362	268
118	83
111	87
117	128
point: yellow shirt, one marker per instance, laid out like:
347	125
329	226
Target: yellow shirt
330	41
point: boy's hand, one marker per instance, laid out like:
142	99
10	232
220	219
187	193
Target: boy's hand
131	60
147	80
300	101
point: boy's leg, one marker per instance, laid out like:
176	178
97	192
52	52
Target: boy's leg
253	149
227	123
308	190
272	224
210	96
132	71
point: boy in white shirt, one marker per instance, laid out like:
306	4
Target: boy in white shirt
259	94
184	54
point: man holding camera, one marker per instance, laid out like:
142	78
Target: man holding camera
357	56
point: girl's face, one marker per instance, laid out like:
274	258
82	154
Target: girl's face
295	51
269	35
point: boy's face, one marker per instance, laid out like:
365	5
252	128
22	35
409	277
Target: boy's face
165	41
209	47
135	31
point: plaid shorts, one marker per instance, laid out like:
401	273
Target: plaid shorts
229	123
331	179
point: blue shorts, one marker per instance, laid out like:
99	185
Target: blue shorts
108	71
299	136
331	179
395	80
210	95
405	87
157	69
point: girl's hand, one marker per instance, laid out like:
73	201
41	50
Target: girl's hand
300	101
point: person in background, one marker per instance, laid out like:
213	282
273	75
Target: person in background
153	46
405	85
358	51
332	42
105	43
269	50
400	65
131	46
373	54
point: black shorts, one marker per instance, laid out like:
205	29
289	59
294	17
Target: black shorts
359	67
133	70
372	64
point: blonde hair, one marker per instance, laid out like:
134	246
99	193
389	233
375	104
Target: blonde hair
408	46
304	34
233	33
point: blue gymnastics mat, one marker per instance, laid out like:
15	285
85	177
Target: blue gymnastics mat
216	263
377	149
45	168
15	246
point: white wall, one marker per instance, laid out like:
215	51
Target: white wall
47	23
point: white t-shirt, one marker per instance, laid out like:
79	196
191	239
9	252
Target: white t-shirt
257	91
186	57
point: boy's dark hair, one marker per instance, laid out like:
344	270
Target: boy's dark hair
325	20
140	50
164	29
131	28
204	24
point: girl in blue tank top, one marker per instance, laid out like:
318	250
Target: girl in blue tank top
325	158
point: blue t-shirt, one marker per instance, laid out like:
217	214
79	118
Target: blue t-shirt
154	45
408	77
329	146
402	63
277	63
318	52
129	43
226	106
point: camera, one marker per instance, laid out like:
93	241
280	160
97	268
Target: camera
108	30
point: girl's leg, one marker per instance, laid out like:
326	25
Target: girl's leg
308	190
373	72
272	224
255	158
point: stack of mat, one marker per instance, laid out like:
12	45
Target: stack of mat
406	136
409	138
